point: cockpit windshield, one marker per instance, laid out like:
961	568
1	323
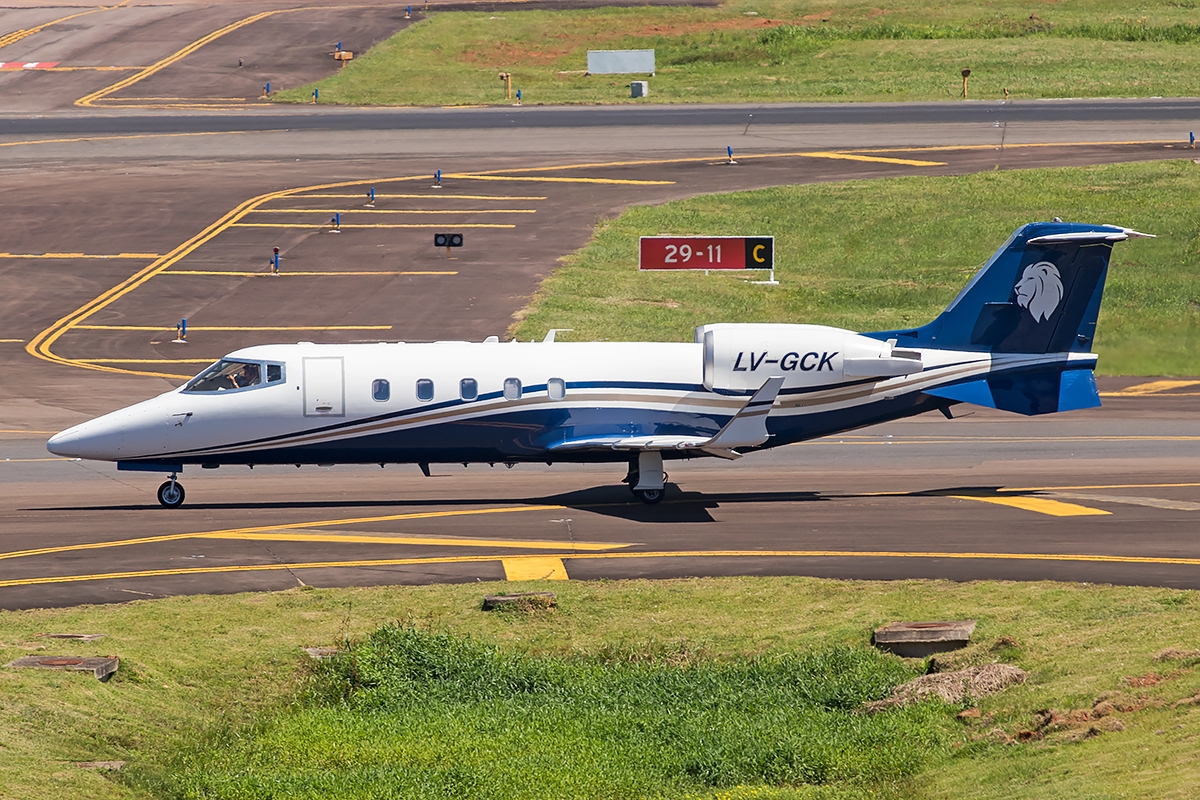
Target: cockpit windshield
227	374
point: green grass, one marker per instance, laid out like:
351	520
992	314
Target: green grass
787	52
412	713
212	682
886	254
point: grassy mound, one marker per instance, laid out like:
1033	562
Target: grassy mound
411	713
785	50
884	254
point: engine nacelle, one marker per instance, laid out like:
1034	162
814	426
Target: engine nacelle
740	357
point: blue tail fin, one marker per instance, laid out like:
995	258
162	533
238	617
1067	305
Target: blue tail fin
1039	293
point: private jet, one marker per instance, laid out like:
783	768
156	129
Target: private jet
1018	337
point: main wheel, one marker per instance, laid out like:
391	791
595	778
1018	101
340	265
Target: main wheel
649	496
170	494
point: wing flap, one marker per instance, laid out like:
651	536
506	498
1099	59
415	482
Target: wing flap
747	428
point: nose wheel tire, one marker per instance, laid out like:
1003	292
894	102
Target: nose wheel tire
170	494
649	496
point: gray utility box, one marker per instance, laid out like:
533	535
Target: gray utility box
639	89
620	62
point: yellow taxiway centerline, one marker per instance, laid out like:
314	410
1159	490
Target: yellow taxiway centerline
546	561
90	99
878	159
16	36
159	328
395	211
78	255
73	139
382	196
343	226
147	360
286	274
41	344
239	533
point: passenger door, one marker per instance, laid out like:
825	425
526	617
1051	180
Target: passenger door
324	387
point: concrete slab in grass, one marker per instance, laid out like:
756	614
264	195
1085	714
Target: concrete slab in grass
920	639
102	667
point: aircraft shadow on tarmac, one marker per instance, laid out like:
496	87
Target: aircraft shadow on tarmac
612	501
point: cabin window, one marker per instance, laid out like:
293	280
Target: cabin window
468	388
274	373
424	390
512	388
381	390
226	375
556	388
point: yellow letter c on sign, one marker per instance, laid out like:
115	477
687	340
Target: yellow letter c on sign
755	253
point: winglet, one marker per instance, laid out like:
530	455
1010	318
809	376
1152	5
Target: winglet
748	427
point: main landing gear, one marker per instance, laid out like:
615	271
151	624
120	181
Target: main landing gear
646	478
170	494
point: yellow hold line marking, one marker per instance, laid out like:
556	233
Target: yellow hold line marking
368	225
855	157
285	274
394	562
236	533
78	255
381	196
543	179
395	211
237	327
1153	387
534	568
11	341
1040	505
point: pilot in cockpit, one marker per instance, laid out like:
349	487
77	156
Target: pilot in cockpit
246	376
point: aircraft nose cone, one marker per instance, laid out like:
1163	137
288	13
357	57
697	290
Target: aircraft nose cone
99	439
63	444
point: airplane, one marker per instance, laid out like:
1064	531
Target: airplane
1018	337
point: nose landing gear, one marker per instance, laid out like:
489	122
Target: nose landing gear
170	494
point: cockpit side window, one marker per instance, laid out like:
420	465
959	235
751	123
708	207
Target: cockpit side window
229	375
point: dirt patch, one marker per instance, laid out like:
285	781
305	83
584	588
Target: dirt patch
1149	679
1175	654
952	687
1194	700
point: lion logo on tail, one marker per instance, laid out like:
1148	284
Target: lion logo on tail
1040	290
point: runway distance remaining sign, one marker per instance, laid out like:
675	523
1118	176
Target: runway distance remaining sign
706	252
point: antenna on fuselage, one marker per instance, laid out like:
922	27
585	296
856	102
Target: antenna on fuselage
550	334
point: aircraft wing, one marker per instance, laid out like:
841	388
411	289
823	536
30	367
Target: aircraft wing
747	428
